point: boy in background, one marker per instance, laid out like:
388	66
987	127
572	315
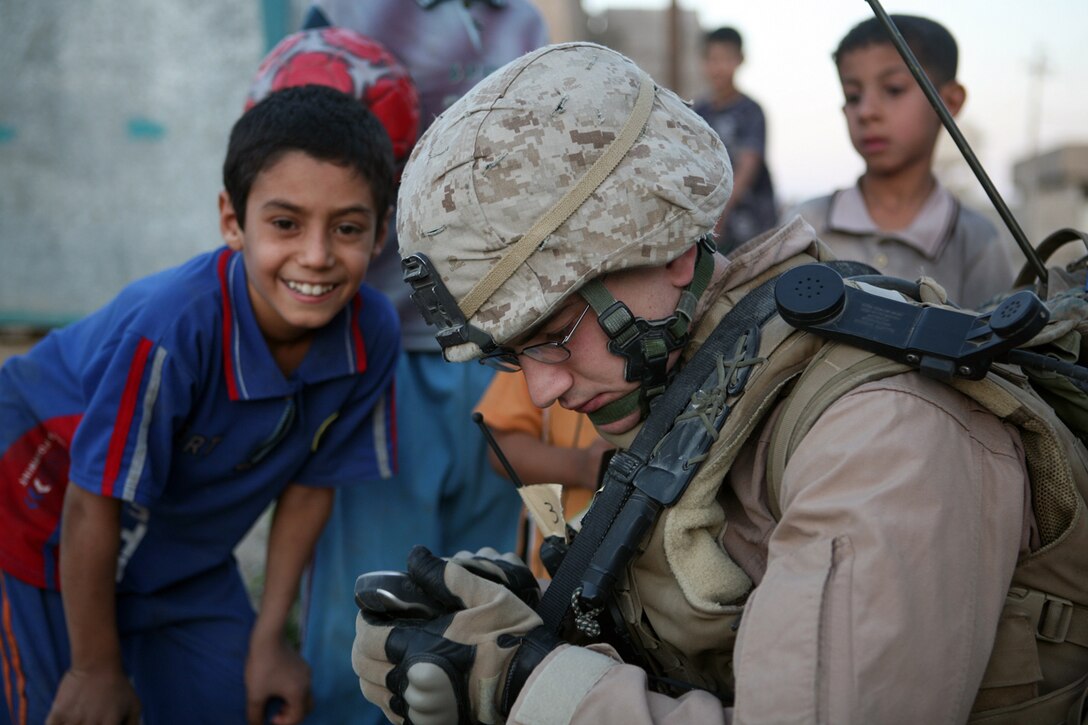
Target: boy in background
141	443
739	122
898	217
444	492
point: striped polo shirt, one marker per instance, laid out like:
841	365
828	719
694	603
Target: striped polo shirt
169	399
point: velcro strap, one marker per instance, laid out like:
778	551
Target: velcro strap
534	647
559	689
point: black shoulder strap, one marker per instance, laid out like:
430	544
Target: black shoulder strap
620	483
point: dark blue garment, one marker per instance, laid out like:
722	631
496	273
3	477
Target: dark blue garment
741	126
184	649
445	494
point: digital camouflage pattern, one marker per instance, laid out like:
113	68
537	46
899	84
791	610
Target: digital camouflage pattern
506	152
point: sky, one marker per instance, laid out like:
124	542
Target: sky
788	69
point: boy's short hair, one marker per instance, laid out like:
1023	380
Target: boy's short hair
931	42
319	121
723	35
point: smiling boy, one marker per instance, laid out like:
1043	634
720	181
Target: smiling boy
898	217
141	443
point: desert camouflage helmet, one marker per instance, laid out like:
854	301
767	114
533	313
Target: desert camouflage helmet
565	164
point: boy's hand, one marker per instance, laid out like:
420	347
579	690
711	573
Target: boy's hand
276	671
95	698
595	460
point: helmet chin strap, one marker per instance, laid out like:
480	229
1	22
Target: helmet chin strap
645	345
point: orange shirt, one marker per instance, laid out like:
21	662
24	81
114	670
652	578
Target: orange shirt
506	406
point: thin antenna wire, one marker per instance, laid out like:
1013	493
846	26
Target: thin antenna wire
961	143
478	419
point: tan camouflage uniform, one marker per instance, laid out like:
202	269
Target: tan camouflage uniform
877	594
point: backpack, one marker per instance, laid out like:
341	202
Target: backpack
1038	670
1039	665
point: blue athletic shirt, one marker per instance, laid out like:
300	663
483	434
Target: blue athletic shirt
169	399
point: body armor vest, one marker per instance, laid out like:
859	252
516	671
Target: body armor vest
681	600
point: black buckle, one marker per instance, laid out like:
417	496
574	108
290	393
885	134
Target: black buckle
1051	615
438	307
629	337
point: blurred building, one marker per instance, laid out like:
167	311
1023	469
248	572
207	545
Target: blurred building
566	20
1053	189
644	36
115	118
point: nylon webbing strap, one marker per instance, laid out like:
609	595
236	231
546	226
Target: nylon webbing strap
600	299
618	408
570	203
754	309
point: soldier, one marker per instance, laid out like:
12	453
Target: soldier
871	562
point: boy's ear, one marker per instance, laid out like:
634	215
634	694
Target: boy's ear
228	223
953	94
682	269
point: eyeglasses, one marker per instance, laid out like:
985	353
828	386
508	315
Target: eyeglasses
549	353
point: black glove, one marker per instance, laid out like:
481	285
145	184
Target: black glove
506	569
465	666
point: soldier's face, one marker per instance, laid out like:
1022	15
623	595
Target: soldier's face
593	376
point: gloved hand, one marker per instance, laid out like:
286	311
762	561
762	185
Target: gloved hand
506	569
466	666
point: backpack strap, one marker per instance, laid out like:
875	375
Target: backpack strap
605	511
629	494
834	371
838	368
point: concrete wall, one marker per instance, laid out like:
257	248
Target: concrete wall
566	20
1053	189
114	118
642	35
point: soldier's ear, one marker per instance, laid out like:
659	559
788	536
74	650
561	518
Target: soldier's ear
682	269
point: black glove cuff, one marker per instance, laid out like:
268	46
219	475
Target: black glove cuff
534	647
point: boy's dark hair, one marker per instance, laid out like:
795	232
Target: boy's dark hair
319	121
931	42
723	35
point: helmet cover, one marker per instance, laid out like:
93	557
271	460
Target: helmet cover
501	158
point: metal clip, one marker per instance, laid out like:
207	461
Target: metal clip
1051	615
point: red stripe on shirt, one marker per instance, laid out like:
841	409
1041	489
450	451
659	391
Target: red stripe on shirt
228	326
14	680
126	411
357	333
